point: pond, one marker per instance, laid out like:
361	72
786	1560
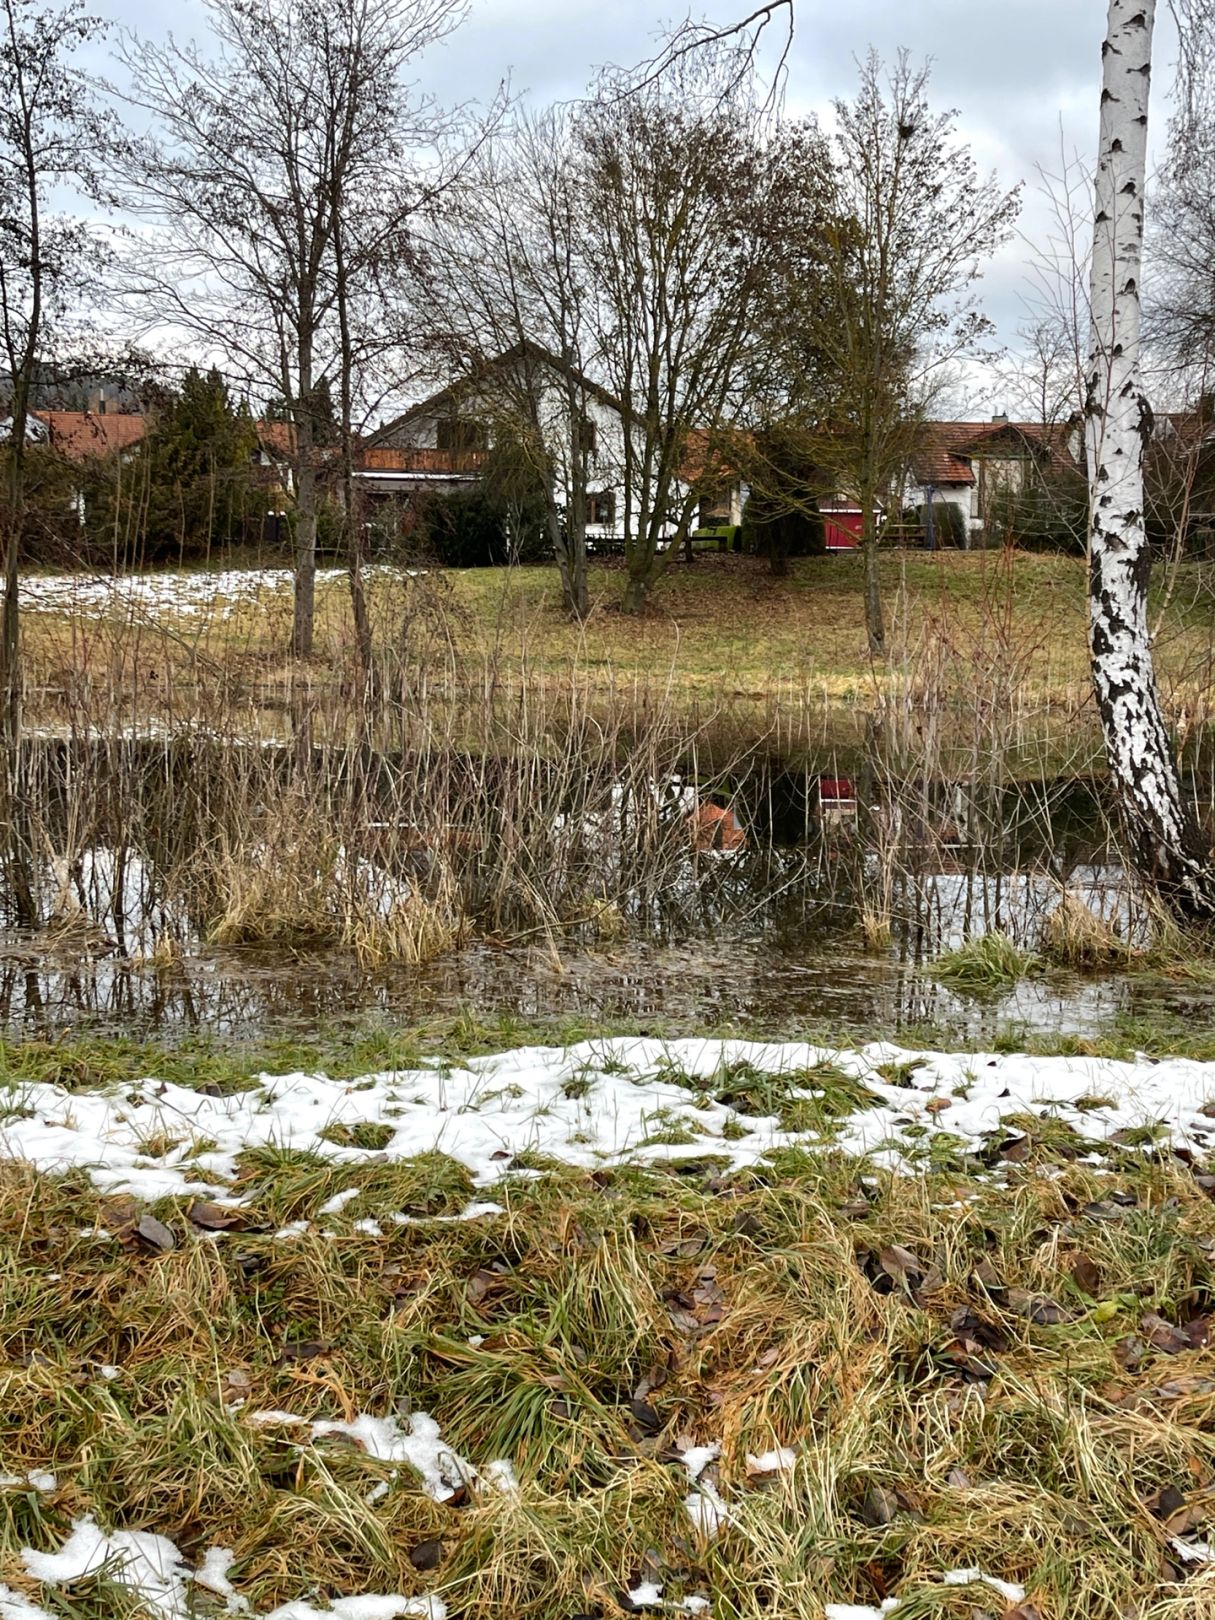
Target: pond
657	924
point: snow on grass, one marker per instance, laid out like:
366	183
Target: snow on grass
421	1448
442	1471
771	1462
600	1101
185	594
148	1565
15	1607
1008	1590
151	1568
38	1479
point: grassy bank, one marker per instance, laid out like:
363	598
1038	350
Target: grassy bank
729	645
740	1390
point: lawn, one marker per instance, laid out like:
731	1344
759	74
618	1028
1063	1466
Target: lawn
630	1327
723	645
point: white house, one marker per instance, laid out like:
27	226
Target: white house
443	442
967	465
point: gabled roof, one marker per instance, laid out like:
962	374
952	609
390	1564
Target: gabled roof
938	458
81	435
948	449
450	396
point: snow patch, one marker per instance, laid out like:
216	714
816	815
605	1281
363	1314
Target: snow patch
771	1462
596	1102
152	1569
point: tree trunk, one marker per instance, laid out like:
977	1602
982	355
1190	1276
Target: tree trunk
10	638
350	491
18	839
1167	844
305	500
580	595
358	594
305	561
635	592
875	624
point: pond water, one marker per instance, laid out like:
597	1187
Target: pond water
812	974
767	935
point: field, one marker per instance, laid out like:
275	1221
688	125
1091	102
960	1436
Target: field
734	650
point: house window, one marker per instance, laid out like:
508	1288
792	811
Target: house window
588	438
601	508
454	433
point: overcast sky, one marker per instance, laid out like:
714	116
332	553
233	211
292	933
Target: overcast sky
1022	74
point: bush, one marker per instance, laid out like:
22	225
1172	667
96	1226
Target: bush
1045	516
470	528
949	527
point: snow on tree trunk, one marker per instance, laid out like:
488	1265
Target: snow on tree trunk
1168	847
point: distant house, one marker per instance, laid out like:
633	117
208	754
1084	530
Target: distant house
86	435
970	465
81	435
444	442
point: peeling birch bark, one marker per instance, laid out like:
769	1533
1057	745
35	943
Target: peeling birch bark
1168	847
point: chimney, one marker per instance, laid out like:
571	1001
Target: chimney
999	419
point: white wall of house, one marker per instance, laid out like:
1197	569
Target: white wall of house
961	496
605	463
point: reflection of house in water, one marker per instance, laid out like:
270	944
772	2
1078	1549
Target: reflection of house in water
837	804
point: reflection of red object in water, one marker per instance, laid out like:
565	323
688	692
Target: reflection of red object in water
713	827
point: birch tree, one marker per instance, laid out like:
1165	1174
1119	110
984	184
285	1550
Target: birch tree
1164	835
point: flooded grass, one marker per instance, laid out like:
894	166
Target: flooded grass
990	962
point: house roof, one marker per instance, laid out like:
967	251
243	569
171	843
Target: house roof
80	435
276	438
715	455
448	396
948	449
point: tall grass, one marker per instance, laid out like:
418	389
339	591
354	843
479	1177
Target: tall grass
183	781
177	785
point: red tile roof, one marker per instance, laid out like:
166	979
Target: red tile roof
277	438
79	435
947	448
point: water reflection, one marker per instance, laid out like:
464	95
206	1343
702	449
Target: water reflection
818	979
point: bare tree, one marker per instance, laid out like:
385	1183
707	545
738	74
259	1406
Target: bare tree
508	279
868	338
50	135
260	148
691	193
1164	834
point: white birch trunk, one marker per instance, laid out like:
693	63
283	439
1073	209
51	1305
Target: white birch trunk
1164	834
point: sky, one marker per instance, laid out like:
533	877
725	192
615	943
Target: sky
1023	76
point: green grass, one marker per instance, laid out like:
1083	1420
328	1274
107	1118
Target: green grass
988	963
731	647
78	1060
601	1320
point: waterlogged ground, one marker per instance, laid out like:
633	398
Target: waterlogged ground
778	986
525	1286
